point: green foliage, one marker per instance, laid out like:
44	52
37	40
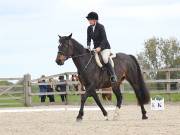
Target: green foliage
160	53
128	98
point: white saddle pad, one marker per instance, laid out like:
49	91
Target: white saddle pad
98	62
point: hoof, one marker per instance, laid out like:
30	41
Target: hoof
144	117
78	119
106	118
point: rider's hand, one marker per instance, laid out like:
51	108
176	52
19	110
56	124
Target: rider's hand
98	49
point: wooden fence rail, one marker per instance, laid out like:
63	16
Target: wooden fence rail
27	83
7	92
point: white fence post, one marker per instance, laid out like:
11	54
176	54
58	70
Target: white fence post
27	89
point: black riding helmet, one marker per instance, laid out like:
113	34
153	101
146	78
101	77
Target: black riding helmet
92	16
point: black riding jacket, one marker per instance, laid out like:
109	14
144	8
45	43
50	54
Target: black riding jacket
98	36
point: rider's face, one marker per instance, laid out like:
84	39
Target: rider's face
92	22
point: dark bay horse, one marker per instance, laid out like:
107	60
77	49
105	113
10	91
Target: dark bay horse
93	77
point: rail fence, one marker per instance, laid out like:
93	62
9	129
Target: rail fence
22	90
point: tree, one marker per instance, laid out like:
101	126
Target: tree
170	52
160	53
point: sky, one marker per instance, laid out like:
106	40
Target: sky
29	29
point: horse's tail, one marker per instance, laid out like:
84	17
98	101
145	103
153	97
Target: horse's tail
143	92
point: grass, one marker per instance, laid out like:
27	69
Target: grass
128	98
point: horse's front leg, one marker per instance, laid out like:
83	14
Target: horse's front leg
98	102
83	100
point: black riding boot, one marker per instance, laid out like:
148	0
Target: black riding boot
112	72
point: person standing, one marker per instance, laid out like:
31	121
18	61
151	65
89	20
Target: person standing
50	88
43	88
62	88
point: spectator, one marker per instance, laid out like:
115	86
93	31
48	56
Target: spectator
62	88
43	88
50	88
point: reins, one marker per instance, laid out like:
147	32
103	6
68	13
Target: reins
87	62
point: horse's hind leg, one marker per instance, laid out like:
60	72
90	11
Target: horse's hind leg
143	112
136	88
118	95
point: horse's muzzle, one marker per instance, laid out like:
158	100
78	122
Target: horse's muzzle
59	62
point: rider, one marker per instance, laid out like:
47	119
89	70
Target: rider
97	33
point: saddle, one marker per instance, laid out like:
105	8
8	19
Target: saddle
99	60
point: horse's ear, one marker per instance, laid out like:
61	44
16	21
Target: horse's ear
59	36
70	36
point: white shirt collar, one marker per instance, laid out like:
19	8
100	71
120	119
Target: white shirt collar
94	27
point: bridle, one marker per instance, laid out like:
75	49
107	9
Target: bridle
77	56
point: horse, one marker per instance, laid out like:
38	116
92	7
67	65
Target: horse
77	87
93	77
